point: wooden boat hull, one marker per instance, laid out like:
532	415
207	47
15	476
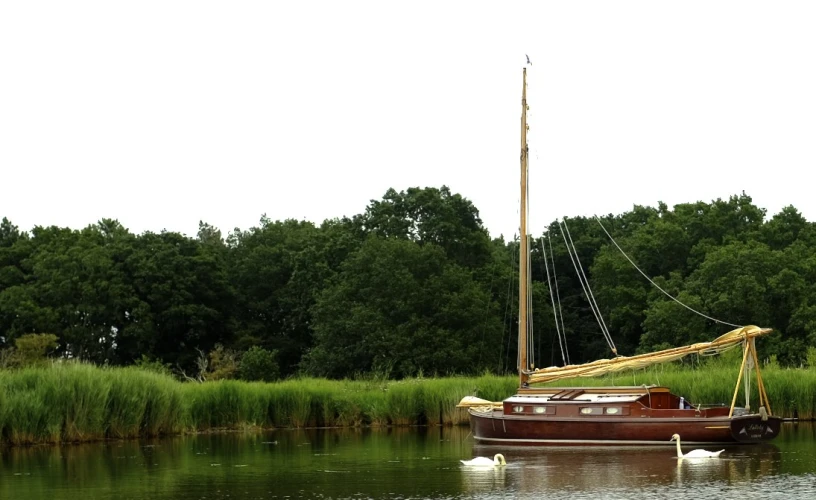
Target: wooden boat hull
494	427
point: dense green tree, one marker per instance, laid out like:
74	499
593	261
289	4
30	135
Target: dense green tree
78	275
182	299
432	216
668	324
709	225
784	229
210	236
14	250
413	284
9	233
278	268
17	309
404	309
733	282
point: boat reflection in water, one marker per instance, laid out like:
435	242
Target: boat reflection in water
621	470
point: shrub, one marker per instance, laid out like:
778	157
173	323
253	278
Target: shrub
258	364
33	348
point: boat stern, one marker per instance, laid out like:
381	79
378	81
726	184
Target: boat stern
755	429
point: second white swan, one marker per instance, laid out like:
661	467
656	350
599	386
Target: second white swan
694	453
498	459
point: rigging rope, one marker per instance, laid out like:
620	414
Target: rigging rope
552	299
530	323
585	285
558	298
658	286
504	362
749	365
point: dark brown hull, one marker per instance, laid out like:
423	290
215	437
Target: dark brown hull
497	428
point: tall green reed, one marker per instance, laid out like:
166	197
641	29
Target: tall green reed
441	396
33	412
81	395
80	402
127	403
3	406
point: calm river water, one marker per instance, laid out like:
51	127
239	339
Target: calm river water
397	463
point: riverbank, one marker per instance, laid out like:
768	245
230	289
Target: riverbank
75	402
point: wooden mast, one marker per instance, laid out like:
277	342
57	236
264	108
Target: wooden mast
523	254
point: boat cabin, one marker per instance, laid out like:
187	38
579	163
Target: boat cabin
589	402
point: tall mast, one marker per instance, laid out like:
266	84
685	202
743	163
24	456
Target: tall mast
523	254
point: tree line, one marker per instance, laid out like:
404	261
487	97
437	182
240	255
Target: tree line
414	285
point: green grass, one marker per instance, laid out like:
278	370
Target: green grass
127	402
74	402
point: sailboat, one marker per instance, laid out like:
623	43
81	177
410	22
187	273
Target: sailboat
614	415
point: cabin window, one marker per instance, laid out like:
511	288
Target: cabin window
591	411
518	409
540	409
612	411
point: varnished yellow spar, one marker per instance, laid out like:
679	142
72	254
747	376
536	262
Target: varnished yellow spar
604	366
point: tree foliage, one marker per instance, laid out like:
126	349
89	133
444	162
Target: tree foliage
405	309
411	285
258	364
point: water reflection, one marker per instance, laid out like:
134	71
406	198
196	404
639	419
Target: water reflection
484	479
740	465
601	469
395	463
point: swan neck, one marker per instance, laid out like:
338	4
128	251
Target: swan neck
679	453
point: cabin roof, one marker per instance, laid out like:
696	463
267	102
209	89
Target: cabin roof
578	398
585	394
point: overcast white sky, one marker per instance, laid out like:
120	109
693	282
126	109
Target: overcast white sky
164	113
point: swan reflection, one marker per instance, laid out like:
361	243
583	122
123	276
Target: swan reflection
481	479
605	468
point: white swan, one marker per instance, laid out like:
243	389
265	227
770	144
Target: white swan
498	459
694	453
